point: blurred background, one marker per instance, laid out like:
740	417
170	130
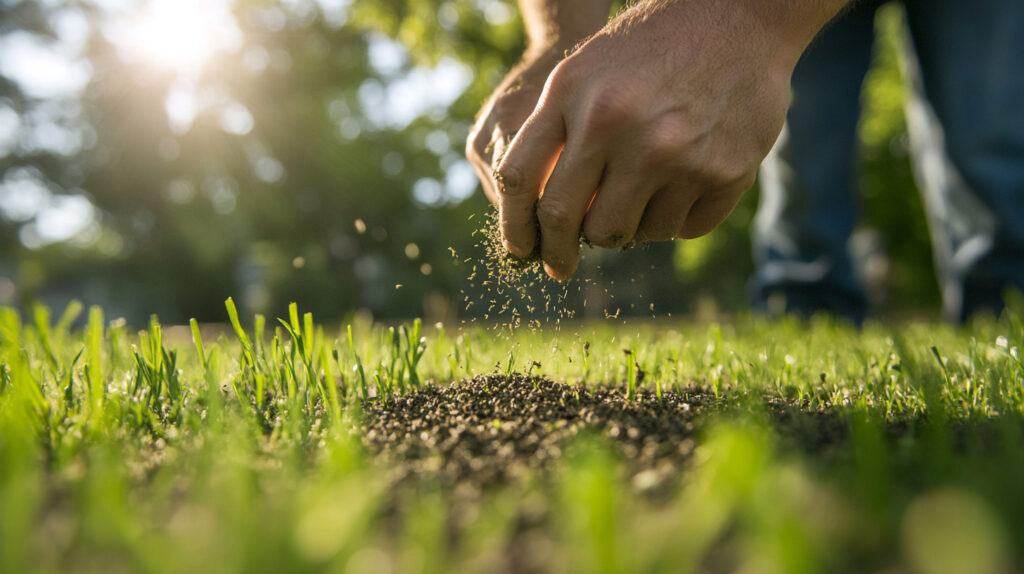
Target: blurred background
159	156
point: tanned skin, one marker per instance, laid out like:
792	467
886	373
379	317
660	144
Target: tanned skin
651	128
553	29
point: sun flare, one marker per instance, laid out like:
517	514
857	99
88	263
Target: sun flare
181	34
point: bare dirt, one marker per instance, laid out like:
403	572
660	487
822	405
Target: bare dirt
496	428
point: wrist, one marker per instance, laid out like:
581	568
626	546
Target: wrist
553	50
557	43
789	26
557	26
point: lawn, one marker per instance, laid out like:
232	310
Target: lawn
290	446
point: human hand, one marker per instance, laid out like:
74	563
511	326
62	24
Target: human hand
504	113
651	130
553	27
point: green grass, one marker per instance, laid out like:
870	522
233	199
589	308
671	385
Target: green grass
238	450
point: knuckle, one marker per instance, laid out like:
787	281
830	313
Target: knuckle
666	142
659	225
499	108
603	236
553	215
745	182
607	108
509	180
563	75
735	176
718	176
502	114
476	146
705	217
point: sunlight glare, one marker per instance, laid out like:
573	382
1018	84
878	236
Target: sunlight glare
182	34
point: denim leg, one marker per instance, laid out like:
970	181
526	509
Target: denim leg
809	204
970	67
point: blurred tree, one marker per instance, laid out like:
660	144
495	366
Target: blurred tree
274	170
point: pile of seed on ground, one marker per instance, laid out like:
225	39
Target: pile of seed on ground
494	429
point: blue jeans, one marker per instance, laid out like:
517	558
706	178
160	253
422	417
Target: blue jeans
966	121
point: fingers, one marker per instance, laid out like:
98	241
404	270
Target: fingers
665	214
497	148
685	213
623	211
521	176
618	207
484	149
485	182
478	152
563	205
708	212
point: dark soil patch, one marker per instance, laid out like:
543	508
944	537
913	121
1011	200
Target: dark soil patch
495	429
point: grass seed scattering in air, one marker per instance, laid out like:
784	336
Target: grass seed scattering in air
513	287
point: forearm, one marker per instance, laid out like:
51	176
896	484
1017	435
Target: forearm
562	23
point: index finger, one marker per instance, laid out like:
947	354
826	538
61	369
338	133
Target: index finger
521	175
484	157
